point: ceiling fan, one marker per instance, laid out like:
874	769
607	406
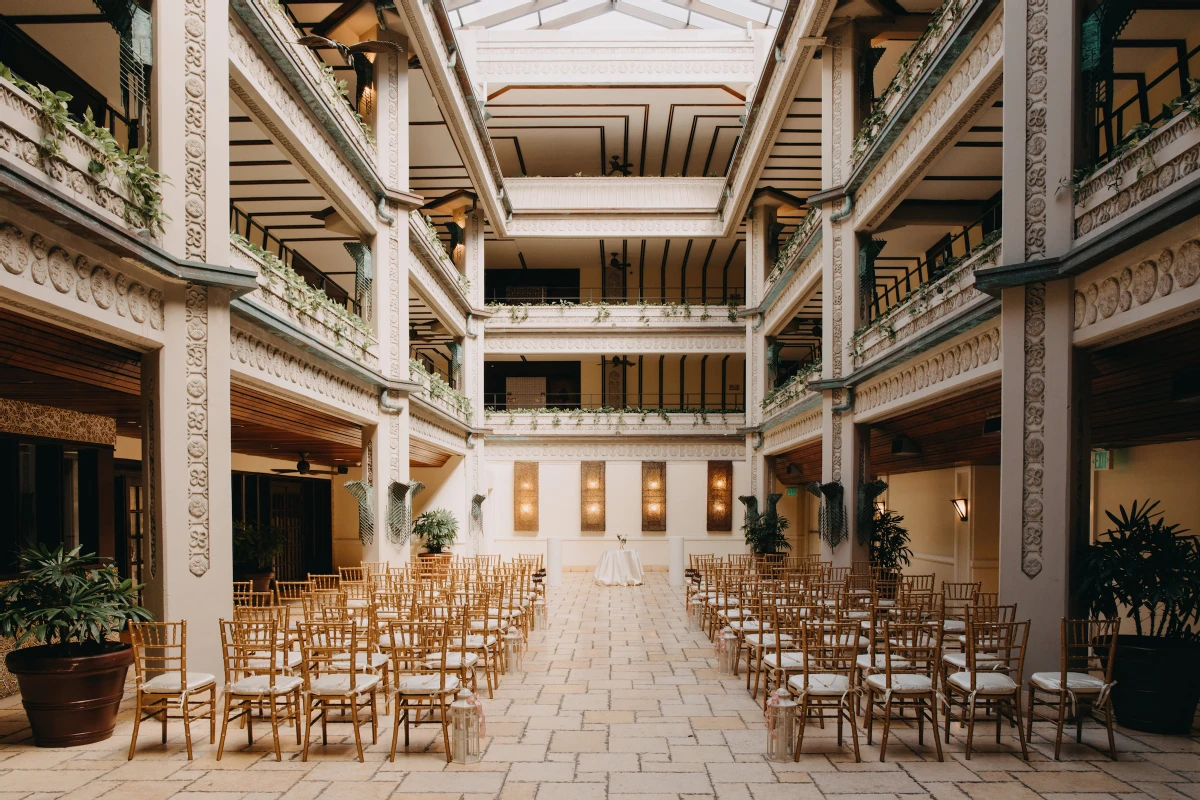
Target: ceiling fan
304	468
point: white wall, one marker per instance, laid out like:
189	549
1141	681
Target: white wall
1162	472
445	487
558	507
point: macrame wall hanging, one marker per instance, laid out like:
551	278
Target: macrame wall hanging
366	512
399	518
864	515
833	528
476	523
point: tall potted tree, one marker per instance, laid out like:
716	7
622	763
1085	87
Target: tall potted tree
437	528
256	545
889	547
765	532
1147	571
71	683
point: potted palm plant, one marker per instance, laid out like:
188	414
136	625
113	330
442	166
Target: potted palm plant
889	549
1149	572
765	532
437	528
71	683
255	547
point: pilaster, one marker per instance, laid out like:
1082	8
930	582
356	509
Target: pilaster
185	384
1037	448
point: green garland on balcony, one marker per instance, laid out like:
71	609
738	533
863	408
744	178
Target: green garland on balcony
605	415
298	293
440	390
792	388
798	237
132	166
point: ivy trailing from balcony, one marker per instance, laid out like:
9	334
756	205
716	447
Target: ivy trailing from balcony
793	243
439	389
132	166
300	295
792	388
608	416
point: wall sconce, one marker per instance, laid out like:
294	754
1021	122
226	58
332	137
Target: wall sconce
525	496
720	495
654	495
960	505
591	496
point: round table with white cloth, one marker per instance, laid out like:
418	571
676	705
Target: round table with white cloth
620	568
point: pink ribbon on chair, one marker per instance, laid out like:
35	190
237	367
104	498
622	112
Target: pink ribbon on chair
772	702
482	717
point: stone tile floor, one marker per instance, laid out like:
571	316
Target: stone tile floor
619	699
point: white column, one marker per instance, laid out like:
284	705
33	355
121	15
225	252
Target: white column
840	440
1036	517
185	384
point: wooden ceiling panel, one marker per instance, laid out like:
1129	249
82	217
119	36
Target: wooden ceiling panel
799	466
264	425
423	454
948	433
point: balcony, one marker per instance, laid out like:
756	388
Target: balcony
40	136
592	314
613	422
439	394
435	274
284	292
792	392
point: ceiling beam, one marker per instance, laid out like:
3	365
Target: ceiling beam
337	17
583	14
516	12
713	12
647	15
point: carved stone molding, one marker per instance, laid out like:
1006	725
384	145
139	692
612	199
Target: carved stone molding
499	449
101	292
591	226
938	303
195	145
610	341
1037	105
429	430
616	195
794	431
963	81
589	318
1034	450
802	282
196	330
1149	282
303	140
632	423
252	354
1172	154
837	286
49	422
928	370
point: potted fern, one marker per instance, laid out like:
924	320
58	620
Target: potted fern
437	529
74	606
765	532
255	547
889	549
1149	572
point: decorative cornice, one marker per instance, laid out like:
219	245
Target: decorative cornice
613	342
424	427
302	139
595	225
617	195
961	96
50	422
501	449
562	423
604	318
962	361
797	430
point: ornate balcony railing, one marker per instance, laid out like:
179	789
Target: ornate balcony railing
440	393
613	421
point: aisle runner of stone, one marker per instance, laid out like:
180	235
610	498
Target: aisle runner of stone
619	700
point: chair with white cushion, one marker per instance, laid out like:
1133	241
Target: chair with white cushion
995	660
823	683
956	597
164	683
784	656
329	685
908	679
256	677
1089	648
424	682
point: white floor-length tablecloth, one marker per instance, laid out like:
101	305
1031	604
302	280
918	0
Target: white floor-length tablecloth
620	568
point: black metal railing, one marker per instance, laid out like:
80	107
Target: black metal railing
1118	125
710	402
435	363
258	234
897	277
649	295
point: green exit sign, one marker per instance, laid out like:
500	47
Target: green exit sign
1102	459
792	491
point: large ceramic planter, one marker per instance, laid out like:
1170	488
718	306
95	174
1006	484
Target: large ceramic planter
1157	687
259	581
70	700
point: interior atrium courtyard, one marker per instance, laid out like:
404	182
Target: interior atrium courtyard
539	399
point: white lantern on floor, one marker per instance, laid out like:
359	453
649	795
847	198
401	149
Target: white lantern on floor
514	649
540	620
465	720
695	611
727	652
781	726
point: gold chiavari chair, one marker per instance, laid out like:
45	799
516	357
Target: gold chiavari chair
759	642
252	653
164	683
255	599
908	679
358	593
956	597
292	592
324	583
241	587
327	648
1084	680
316	603
956	661
374	568
995	653
352	574
280	617
424	683
822	684
834	575
786	656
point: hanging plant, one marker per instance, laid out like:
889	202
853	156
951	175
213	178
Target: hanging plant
865	513
832	520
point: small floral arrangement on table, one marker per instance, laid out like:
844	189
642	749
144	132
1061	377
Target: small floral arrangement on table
622	540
